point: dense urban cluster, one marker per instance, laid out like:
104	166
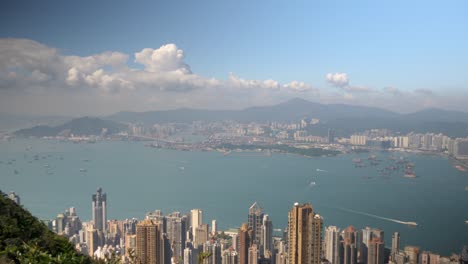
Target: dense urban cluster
178	238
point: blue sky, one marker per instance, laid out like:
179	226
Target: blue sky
405	45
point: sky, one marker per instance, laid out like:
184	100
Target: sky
101	57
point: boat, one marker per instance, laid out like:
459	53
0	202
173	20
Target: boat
46	166
312	184
414	224
83	170
466	222
460	168
410	174
182	168
16	172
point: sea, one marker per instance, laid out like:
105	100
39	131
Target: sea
51	176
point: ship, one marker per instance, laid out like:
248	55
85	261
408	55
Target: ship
83	170
410	174
413	224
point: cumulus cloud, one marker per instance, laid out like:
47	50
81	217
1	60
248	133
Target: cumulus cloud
392	90
337	79
27	67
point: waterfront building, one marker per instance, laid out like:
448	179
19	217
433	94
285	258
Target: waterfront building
214	227
395	244
375	251
255	219
176	233
99	210
359	140
149	242
461	148
267	235
412	253
304	235
349	246
196	219
332	240
245	241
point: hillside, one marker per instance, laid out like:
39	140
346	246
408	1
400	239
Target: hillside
78	126
345	119
24	239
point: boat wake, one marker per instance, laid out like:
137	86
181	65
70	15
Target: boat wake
379	217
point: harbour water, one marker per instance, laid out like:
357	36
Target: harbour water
51	176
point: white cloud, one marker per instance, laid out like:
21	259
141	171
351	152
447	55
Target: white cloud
337	79
297	86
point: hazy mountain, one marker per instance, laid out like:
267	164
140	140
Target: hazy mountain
345	119
78	126
291	110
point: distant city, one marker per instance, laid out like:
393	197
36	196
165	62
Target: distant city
189	239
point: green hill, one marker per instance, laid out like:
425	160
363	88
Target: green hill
25	239
79	126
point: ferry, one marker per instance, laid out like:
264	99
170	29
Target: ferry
410	174
414	224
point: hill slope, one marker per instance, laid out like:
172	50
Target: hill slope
78	126
24	239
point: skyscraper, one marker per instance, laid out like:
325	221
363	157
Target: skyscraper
267	235
253	254
245	241
375	253
214	227
99	206
395	244
175	230
230	256
255	222
349	246
332	244
412	253
304	235
196	219
149	249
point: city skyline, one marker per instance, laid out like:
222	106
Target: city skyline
399	55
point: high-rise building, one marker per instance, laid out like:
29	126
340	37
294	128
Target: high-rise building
196	219
255	222
413	254
230	256
245	241
304	235
375	251
267	235
332	244
395	244
92	240
130	244
349	246
99	206
331	136
176	233
253	254
368	234
149	247
214	227
188	258
201	235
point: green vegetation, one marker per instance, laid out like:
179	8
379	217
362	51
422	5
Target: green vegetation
25	239
78	126
308	152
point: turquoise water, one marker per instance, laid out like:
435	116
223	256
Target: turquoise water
138	179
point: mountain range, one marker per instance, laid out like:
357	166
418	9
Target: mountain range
344	119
